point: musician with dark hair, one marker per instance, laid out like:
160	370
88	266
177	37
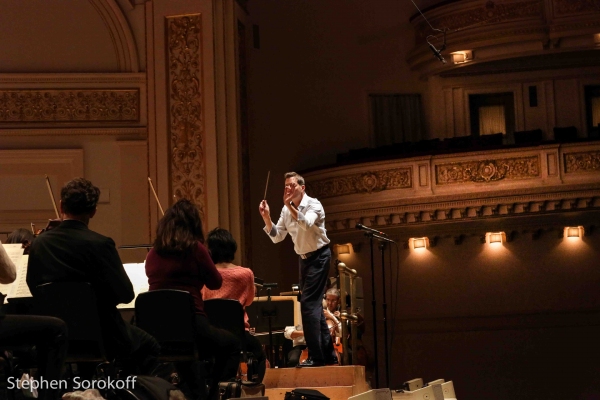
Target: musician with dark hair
179	260
303	217
238	284
72	252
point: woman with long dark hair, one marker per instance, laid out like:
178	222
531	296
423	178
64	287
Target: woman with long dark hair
179	260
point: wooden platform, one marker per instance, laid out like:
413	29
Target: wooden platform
336	382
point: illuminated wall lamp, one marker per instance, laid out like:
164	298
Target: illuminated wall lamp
496	237
419	243
343	248
463	56
597	39
574	231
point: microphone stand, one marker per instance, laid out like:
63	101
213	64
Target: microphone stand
374	304
385	328
382	239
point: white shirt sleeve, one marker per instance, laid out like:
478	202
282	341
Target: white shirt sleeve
8	270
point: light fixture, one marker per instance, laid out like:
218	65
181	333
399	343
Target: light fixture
343	248
574	231
461	57
496	237
419	243
597	39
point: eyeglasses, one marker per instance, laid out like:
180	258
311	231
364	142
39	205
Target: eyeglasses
291	185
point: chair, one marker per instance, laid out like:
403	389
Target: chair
529	137
168	315
227	314
565	135
75	304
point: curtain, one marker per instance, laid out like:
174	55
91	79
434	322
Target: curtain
396	118
492	120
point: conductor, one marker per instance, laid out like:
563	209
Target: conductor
303	217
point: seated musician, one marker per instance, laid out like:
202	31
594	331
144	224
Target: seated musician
179	260
72	252
332	310
238	284
23	236
296	334
48	334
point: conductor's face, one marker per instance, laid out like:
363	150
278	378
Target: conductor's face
293	191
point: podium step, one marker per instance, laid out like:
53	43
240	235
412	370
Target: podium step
336	382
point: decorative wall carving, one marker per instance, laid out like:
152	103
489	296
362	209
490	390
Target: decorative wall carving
365	182
186	113
562	7
63	105
489	13
582	162
488	170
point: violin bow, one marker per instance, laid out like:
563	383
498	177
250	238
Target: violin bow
155	196
52	197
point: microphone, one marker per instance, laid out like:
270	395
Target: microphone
366	228
437	53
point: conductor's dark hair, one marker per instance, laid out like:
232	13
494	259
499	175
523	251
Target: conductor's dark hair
19	236
222	245
79	197
298	177
179	230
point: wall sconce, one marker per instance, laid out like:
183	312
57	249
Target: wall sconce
574	231
496	237
418	243
343	248
597	39
461	57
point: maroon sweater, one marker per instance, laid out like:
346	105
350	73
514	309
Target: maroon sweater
190	273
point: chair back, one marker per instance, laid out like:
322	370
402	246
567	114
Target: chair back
227	314
75	304
169	316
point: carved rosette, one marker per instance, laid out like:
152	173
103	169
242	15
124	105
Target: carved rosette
367	182
565	7
186	124
582	162
60	105
488	170
488	13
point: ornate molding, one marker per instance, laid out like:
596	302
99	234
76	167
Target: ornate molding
365	182
63	105
582	162
565	7
186	111
487	170
489	13
119	132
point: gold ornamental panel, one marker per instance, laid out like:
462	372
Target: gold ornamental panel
488	13
482	171
565	7
582	162
365	182
68	105
185	108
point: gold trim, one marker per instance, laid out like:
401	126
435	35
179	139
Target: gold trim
186	109
66	105
364	182
582	162
483	171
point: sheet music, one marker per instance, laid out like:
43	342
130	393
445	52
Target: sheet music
14	251
137	275
19	287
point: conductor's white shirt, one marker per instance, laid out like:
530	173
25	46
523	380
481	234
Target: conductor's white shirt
308	233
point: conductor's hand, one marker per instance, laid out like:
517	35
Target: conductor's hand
264	210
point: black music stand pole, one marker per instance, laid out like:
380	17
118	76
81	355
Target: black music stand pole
385	328
374	303
269	313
